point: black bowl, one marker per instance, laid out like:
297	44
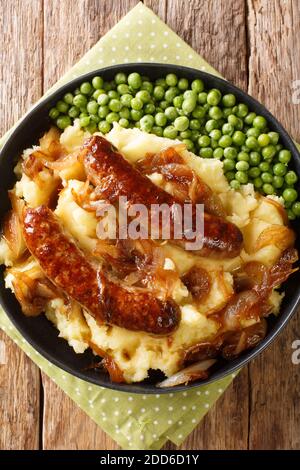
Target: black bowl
39	332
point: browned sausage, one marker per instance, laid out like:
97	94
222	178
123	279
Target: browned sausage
108	302
115	177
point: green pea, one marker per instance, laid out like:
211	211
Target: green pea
92	127
227	129
228	100
146	85
254	172
214	144
68	98
84	121
232	120
177	101
136	104
199	112
73	112
123	89
242	166
183	84
268	152
263	140
251	143
189	105
227	112
125	100
149	108
136	114
171	113
186	134
113	94
134	80
266	177
211	124
204	141
92	107
284	156
230	152
242	177
97	93
254	158
258	182
243	157
181	123
259	122
170	132
54	113
218	153
160	119
296	208
95	118
102	99
202	97
235	109
279	169
190	94
195	135
170	94
171	79
158	92
215	134
228	164
161	82
290	195
62	106
206	152
250	118
195	124
164	104
291	214
147	123
120	78
253	132
104	127
268	189
81	115
214	97
230	175
63	122
291	178
238	138
115	105
103	111
125	113
86	88
242	110
215	112
157	130
76	91
274	137
197	85
144	96
278	181
225	141
235	184
189	144
112	117
97	83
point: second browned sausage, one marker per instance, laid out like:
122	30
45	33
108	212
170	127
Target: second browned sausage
107	301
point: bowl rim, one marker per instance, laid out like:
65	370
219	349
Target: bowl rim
231	367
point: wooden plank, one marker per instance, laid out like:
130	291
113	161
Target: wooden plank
216	30
70	36
21	28
273	66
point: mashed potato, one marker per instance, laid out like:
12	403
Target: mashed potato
137	352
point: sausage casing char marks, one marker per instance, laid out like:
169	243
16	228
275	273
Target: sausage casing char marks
107	301
114	177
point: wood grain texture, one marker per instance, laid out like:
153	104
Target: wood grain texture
240	38
273	66
21	75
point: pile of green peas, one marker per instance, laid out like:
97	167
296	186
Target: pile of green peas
210	124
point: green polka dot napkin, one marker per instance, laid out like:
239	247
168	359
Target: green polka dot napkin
134	421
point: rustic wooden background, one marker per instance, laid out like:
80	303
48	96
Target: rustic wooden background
253	43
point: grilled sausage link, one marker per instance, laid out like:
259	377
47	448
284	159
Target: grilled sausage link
114	177
108	302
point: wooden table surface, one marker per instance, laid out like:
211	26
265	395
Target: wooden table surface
253	43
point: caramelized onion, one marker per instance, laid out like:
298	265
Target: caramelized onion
189	374
198	282
237	342
115	373
278	235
